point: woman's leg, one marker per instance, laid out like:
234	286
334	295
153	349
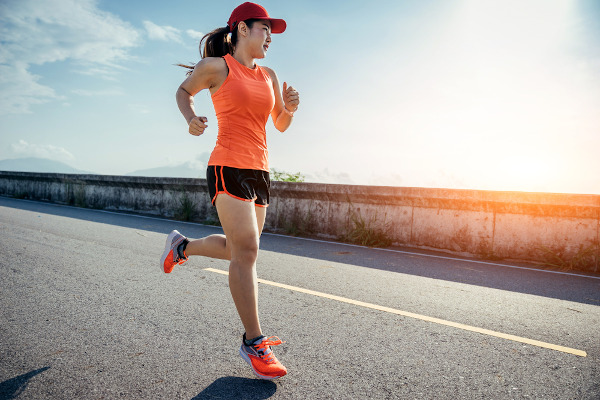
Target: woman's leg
240	223
213	246
261	215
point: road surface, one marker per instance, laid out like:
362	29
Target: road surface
86	313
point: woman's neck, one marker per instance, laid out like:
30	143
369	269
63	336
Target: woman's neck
244	58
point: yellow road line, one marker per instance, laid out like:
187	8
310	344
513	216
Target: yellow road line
483	331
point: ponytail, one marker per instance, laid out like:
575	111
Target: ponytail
218	43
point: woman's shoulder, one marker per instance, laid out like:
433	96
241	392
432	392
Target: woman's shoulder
212	64
269	71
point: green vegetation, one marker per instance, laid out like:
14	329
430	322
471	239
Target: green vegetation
79	196
75	192
187	210
486	252
299	224
21	195
283	176
365	233
586	258
212	218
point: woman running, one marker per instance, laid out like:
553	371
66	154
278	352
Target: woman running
244	94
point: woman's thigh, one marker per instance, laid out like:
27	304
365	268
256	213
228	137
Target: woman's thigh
240	223
261	215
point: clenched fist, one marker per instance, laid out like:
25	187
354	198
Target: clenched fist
197	125
291	98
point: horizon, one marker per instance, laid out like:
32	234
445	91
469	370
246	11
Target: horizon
187	172
462	94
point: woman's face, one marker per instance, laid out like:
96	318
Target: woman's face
260	38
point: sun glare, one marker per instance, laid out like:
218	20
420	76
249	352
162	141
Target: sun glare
519	173
507	90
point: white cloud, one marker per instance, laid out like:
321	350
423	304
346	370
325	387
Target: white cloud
23	148
94	93
19	89
39	32
162	33
194	34
107	73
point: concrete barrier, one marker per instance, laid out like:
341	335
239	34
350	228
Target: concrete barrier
539	227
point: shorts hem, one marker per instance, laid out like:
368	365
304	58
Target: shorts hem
230	195
239	198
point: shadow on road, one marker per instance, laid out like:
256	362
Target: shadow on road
12	388
418	263
232	387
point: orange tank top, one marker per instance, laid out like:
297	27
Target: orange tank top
243	104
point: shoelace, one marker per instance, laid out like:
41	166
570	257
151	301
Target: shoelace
263	346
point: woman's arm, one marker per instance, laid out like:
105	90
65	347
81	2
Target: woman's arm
209	73
286	103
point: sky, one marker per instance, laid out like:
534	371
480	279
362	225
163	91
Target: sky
465	94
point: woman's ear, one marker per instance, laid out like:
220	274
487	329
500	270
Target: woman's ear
242	29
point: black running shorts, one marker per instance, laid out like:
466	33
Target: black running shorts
242	184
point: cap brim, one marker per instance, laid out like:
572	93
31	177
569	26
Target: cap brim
277	25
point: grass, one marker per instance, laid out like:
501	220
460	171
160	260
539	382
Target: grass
21	195
212	218
299	225
187	210
587	258
79	196
364	233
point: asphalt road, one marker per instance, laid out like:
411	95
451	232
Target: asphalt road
86	313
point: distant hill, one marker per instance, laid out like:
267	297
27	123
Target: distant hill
33	164
185	170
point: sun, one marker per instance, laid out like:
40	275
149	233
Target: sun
506	92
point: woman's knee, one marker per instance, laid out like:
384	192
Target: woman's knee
245	251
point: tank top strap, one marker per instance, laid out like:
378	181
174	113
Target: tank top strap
232	65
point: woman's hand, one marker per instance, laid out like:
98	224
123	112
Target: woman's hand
197	125
286	103
291	98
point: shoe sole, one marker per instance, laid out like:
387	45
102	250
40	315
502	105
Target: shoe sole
247	359
167	250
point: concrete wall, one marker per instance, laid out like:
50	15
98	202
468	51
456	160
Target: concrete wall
493	225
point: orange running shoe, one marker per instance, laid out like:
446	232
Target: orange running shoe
261	358
170	257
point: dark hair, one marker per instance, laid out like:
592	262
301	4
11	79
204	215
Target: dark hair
218	43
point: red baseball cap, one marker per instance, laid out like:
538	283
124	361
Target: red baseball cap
249	10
